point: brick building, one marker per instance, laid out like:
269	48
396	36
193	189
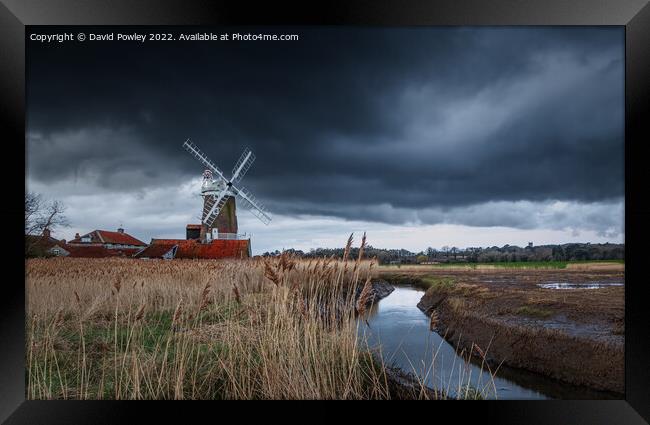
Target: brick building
192	248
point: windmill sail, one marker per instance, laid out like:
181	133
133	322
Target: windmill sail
217	203
196	152
249	201
208	204
243	164
214	203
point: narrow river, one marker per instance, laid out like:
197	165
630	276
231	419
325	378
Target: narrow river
402	333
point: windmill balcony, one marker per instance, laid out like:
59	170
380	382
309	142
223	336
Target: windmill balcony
232	236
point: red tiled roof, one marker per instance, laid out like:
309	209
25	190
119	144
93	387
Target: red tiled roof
104	236
156	250
119	238
218	248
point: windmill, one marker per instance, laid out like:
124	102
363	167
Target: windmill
219	194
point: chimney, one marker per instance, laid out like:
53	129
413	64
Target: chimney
76	236
120	230
203	232
46	233
63	241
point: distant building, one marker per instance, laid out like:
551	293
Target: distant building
77	251
46	246
201	242
192	248
41	245
113	243
104	243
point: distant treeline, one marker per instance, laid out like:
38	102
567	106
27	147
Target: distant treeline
506	253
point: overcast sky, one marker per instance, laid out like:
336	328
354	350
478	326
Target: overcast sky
421	136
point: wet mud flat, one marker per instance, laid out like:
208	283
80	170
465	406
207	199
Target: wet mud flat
573	333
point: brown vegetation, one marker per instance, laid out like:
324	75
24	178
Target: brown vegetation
572	335
125	329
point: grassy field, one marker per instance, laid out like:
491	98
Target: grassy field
505	265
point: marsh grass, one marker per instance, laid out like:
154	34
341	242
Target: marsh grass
531	311
437	283
127	329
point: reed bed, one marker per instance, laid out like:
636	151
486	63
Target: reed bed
191	329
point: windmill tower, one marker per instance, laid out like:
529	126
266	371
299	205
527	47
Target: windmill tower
220	196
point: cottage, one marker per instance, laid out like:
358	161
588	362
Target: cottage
111	243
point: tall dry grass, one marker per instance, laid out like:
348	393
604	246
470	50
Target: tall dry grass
191	329
195	329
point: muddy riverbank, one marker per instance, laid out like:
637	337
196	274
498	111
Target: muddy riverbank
427	365
573	335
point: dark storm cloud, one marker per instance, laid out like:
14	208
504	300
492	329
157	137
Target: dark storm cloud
343	120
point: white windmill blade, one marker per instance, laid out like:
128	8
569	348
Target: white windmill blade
219	201
196	152
249	201
243	164
209	202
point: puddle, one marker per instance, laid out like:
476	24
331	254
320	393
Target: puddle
573	285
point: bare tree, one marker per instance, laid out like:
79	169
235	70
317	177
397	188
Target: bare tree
42	215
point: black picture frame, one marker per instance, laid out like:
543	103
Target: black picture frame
15	15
